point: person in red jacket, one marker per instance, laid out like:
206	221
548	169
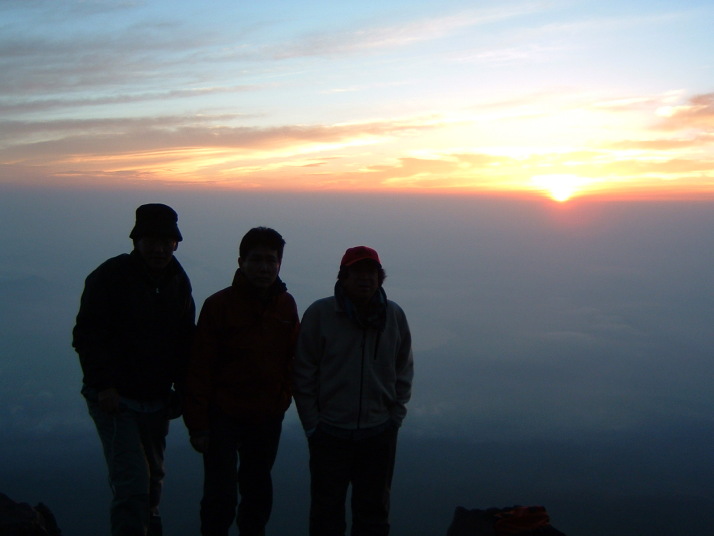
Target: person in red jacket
238	387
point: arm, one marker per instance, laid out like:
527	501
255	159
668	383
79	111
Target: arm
94	331
307	369
187	333
404	366
290	358
199	372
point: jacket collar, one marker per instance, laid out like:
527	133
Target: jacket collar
171	269
376	312
241	283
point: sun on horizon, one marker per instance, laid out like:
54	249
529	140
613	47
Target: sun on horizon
560	187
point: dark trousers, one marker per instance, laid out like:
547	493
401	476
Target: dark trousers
134	445
239	459
367	464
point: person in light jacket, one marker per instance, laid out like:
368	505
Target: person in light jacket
352	381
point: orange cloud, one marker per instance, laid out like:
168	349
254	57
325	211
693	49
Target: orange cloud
661	144
401	154
697	113
141	139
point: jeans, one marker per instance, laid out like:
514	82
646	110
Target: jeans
367	463
133	444
240	458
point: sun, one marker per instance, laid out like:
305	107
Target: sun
560	187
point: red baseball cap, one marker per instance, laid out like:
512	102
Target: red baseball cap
359	253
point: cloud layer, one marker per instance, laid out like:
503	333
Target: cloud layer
425	98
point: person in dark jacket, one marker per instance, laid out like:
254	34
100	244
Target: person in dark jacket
239	387
133	329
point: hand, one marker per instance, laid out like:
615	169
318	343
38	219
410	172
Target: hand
200	443
109	400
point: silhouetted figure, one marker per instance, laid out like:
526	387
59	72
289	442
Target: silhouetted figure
353	376
238	387
134	327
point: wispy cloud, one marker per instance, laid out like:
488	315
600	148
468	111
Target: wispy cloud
639	102
114	136
384	37
158	51
212	149
52	52
663	144
509	54
36	105
425	99
697	113
177	149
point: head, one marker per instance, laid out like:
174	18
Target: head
361	274
260	256
156	235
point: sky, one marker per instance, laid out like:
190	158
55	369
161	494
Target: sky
559	98
536	176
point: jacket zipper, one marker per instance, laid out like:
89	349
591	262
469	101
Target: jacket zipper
361	379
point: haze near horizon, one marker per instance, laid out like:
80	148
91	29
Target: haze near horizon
562	350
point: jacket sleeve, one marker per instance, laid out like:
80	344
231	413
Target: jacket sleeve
92	335
307	368
187	333
404	368
199	372
289	369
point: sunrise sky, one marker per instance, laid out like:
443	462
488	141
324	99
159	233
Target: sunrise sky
561	98
495	153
